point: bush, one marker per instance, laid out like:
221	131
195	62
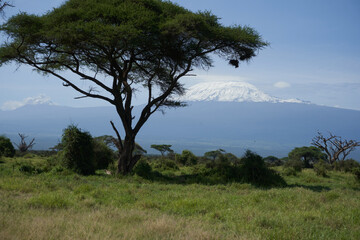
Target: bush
143	169
272	161
320	168
30	169
78	154
296	164
165	164
6	147
289	171
356	172
103	155
254	170
253	166
346	165
187	158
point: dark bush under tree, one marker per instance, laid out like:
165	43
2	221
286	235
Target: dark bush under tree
6	147
78	153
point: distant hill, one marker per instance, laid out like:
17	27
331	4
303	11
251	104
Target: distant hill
266	127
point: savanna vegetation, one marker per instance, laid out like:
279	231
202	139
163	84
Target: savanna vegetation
108	188
117	48
174	196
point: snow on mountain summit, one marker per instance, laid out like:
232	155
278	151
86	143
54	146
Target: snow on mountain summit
230	92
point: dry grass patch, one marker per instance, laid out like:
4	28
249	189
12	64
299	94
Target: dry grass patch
104	223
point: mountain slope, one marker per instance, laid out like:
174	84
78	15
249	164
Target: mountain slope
230	92
267	128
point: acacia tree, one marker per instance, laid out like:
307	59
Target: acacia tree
214	154
120	47
309	155
162	148
334	146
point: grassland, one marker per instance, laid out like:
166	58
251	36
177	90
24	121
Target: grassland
64	205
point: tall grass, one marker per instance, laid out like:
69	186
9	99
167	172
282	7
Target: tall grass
64	205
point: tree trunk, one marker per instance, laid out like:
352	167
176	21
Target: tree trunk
126	159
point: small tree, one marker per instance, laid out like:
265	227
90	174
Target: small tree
163	148
23	146
78	154
308	155
214	154
334	146
254	170
6	147
186	158
273	161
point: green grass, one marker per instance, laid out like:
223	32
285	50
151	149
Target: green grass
68	206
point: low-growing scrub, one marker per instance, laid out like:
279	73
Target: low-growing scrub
56	204
321	168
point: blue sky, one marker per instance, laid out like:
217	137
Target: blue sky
314	53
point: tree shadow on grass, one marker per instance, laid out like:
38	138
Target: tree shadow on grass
187	179
205	179
314	188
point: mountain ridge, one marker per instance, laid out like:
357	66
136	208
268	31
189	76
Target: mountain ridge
231	92
267	128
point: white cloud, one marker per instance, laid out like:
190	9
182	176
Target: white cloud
40	99
282	85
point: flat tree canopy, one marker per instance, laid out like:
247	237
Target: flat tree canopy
120	46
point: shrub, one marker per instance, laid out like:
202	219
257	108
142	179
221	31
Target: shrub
296	164
186	158
78	154
320	168
272	161
6	147
254	170
143	169
103	155
346	165
289	171
253	166
26	168
165	164
356	172
29	169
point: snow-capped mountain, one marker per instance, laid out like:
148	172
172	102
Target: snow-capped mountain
231	92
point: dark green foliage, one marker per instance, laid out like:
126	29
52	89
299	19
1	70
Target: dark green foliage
231	157
29	169
162	148
321	168
213	155
272	161
186	158
356	172
289	171
346	165
78	153
255	171
103	155
295	164
252	169
165	164
143	169
253	166
309	155
6	147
